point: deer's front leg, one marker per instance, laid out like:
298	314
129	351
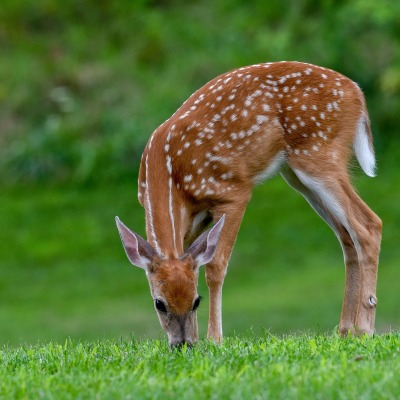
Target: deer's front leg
216	269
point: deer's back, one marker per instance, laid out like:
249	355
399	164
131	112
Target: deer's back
240	127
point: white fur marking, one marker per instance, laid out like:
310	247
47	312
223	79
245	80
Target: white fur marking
169	165
222	160
272	168
330	202
261	119
362	149
171	212
149	210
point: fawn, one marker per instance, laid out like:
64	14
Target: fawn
238	130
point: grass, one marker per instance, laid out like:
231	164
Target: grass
305	366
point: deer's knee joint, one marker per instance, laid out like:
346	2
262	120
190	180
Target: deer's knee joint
215	275
375	225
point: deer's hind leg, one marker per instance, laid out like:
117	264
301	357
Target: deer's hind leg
359	232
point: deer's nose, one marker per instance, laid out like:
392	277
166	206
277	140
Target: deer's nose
179	344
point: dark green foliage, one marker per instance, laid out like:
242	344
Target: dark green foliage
82	85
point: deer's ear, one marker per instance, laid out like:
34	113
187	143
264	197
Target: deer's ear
138	250
203	248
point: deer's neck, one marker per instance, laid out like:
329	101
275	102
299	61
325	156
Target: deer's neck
166	213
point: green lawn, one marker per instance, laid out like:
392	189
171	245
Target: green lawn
64	274
304	366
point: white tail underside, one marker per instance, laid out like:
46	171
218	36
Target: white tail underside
363	149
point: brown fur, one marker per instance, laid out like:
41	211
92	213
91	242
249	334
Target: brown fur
235	130
177	280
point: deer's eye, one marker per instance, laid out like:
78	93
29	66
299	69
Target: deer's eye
160	306
196	303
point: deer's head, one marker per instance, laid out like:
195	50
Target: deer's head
173	282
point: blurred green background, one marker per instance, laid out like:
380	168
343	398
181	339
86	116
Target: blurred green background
82	87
